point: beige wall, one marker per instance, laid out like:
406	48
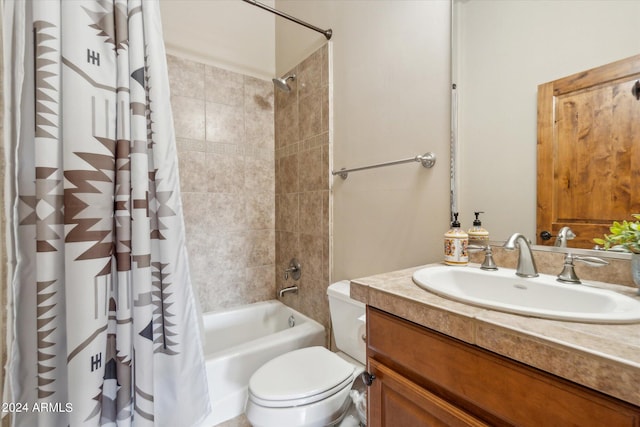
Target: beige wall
391	81
294	42
228	34
505	50
224	131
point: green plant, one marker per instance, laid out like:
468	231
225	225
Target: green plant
624	235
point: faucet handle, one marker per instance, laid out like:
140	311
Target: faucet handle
568	273
591	261
488	263
294	268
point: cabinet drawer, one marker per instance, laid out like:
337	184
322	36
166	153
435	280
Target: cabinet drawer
485	384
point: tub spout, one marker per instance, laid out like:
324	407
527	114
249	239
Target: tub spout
293	289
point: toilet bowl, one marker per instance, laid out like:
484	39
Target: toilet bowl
310	387
307	387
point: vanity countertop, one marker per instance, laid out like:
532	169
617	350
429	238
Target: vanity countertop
602	357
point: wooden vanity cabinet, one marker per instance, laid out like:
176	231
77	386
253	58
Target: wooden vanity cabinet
424	378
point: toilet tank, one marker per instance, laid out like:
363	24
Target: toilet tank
347	318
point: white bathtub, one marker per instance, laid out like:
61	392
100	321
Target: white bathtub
240	340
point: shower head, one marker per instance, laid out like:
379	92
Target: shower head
282	84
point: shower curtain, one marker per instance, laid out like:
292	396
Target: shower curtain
103	328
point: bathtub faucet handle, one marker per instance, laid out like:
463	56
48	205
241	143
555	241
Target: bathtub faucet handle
294	268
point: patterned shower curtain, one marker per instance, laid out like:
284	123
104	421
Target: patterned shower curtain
103	327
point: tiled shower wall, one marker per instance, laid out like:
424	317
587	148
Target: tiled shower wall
225	135
302	185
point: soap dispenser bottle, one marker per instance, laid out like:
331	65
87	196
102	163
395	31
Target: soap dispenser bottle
456	241
478	236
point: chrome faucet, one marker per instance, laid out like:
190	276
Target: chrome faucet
564	234
526	263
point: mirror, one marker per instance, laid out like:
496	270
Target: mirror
502	51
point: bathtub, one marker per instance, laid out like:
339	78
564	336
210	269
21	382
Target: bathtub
240	340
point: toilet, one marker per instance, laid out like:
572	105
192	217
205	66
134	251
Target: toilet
310	387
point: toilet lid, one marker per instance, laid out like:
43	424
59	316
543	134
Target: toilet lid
300	377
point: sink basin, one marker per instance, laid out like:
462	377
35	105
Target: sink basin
540	296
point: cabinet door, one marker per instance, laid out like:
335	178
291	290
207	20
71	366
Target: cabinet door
395	401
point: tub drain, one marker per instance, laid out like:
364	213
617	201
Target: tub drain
292	321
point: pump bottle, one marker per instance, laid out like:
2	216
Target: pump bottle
478	236
456	241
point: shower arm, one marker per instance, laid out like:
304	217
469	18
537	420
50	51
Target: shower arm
327	33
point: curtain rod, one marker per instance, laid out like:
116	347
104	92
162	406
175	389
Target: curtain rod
327	33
